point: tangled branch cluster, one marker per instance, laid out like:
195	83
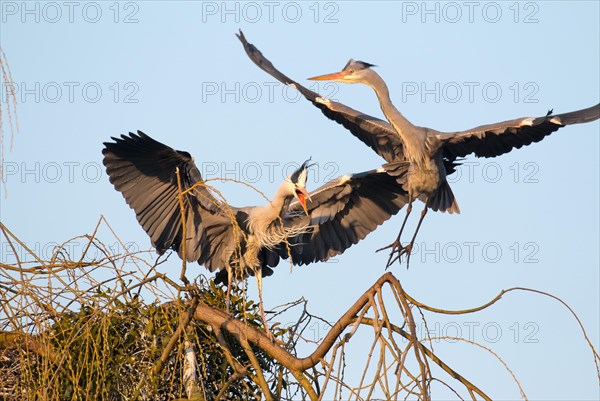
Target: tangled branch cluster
114	327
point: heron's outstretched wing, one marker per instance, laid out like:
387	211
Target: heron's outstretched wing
343	212
496	139
144	171
379	135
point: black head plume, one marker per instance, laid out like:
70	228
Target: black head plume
357	65
299	176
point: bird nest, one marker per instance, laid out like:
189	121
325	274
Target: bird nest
111	326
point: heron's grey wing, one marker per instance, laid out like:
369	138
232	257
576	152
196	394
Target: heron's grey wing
144	171
379	135
343	212
496	139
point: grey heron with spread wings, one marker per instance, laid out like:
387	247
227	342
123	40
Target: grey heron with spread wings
241	241
431	155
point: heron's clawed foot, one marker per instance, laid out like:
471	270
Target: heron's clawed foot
407	250
396	253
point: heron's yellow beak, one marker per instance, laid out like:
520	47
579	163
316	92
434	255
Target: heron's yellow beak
336	76
302	196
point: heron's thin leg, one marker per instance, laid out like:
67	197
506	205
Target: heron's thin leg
258	275
408	249
396	245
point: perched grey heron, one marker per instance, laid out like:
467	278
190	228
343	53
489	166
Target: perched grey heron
246	240
432	155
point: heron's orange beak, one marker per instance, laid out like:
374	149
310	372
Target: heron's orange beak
302	196
336	76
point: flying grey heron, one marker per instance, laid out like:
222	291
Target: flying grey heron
432	154
246	240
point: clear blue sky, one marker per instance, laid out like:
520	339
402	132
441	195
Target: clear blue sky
87	71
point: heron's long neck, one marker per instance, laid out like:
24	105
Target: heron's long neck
262	217
280	202
412	138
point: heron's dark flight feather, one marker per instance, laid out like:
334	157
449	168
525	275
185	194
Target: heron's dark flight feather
496	139
144	171
344	211
341	213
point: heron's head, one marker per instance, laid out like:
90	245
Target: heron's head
297	184
354	72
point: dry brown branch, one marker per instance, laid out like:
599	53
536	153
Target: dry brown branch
40	297
235	377
157	368
498	297
10	98
25	342
353	317
470	386
182	276
488	349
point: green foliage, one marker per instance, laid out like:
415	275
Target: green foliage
107	347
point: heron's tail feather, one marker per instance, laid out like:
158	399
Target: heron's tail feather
222	276
443	200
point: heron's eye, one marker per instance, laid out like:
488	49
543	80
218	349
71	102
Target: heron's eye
351	71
